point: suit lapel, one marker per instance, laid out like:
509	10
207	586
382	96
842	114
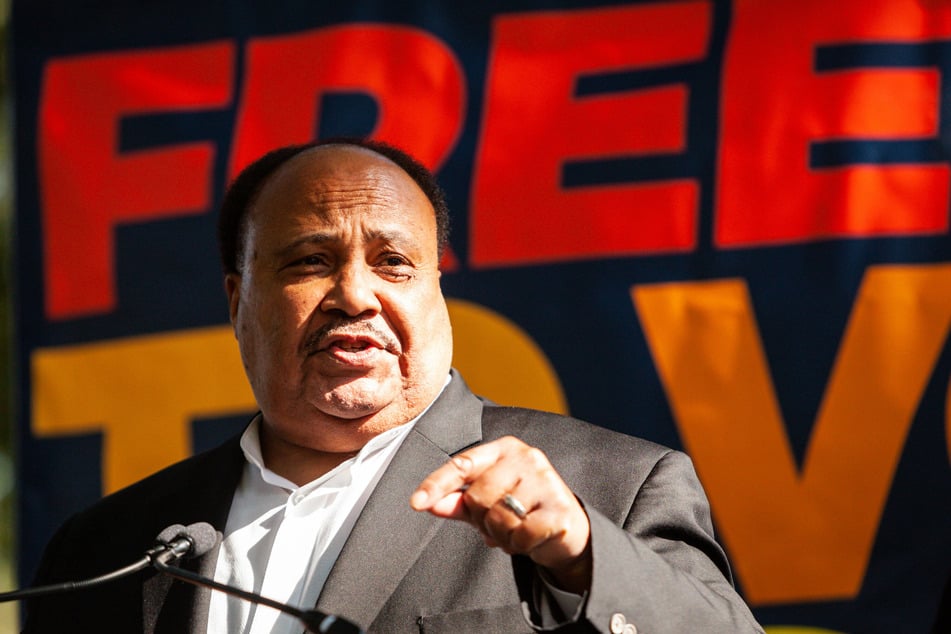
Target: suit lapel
388	537
178	607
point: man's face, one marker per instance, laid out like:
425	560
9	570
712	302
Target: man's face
338	312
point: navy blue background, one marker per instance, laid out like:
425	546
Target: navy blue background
580	313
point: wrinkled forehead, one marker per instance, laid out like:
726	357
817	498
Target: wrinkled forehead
339	180
330	168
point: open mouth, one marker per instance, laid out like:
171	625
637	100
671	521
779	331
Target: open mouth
352	345
354	352
351	339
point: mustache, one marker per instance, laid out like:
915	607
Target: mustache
352	328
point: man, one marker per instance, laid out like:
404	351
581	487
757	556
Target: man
373	483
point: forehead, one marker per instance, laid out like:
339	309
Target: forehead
334	184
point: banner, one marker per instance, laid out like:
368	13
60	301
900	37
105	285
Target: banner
722	226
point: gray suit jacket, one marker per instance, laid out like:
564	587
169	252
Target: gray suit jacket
656	564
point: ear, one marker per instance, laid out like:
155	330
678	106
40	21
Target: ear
233	290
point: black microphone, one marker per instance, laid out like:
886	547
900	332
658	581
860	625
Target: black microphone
184	542
196	537
171	543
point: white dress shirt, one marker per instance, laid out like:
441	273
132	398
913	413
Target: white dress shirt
281	540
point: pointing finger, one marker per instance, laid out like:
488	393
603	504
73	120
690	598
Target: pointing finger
455	475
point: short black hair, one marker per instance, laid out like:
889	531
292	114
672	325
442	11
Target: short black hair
241	192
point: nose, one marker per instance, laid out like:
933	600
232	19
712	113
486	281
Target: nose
352	291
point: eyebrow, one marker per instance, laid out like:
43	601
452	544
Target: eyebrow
310	238
321	237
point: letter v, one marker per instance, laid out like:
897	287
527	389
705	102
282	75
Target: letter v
797	536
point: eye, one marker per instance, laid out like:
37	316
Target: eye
393	259
394	266
308	263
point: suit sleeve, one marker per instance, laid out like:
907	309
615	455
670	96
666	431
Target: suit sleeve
661	571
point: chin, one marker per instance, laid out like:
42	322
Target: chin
350	411
357	398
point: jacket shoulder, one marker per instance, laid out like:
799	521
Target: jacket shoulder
564	433
189	477
122	525
604	467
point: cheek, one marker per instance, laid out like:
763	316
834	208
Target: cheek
287	316
273	323
296	306
424	321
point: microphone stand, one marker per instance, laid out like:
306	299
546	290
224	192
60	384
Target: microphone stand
67	586
164	550
315	620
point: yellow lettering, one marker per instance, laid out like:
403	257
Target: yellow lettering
500	361
141	393
797	536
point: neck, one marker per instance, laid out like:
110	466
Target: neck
298	464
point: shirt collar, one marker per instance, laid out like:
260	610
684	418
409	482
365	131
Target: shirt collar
251	446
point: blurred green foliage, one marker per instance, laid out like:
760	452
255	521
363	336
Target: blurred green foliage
8	611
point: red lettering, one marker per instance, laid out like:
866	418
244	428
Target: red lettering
87	186
768	192
535	123
414	77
